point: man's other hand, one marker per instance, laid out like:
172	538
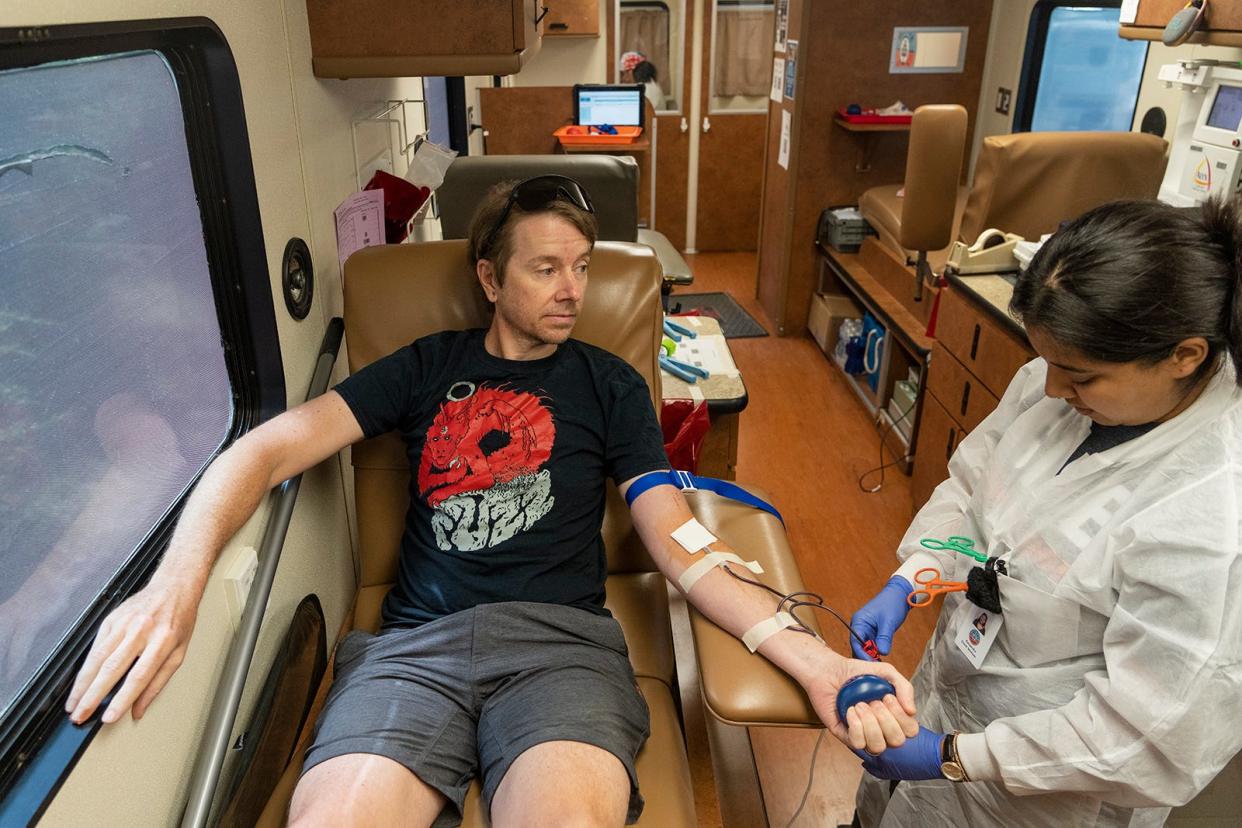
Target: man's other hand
150	631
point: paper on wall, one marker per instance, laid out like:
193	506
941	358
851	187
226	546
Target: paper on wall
359	223
782	157
778	79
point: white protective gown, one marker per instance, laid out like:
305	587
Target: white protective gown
1114	687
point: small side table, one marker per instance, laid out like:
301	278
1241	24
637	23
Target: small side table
726	398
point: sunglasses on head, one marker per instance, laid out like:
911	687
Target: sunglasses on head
535	194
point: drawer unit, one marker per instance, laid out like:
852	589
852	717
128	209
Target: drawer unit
971	365
965	398
979	343
939	435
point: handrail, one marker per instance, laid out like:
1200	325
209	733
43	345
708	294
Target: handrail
233	679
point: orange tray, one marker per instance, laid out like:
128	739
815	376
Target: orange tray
625	135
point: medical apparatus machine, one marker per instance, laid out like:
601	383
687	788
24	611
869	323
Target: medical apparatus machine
1207	140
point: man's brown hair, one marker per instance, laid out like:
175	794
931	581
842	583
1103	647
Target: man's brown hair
499	248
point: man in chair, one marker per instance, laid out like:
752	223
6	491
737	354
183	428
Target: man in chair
496	657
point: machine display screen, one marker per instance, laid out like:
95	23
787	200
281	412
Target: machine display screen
1226	109
616	105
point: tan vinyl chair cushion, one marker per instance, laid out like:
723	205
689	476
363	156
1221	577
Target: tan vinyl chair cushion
933	174
738	687
1029	182
882	207
926	217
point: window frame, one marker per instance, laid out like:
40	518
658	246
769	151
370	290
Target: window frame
1033	57
38	744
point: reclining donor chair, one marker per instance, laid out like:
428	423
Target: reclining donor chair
397	293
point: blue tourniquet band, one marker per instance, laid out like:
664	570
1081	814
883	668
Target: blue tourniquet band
688	483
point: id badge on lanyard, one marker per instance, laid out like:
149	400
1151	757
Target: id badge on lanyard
974	630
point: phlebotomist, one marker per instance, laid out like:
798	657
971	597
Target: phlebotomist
1108	484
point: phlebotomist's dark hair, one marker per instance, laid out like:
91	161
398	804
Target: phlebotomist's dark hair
1128	281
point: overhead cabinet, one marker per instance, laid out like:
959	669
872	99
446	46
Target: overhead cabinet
572	18
1223	25
384	39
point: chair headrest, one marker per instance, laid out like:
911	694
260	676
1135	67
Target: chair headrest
611	181
1029	182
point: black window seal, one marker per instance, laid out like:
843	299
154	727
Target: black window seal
38	744
1033	56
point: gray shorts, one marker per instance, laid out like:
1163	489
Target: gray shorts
466	694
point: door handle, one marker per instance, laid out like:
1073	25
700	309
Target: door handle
685	125
707	124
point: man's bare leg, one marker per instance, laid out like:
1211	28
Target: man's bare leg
569	784
363	789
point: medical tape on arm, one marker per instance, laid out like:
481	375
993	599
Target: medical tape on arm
765	629
709	562
693	536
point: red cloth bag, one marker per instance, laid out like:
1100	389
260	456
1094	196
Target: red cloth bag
685	424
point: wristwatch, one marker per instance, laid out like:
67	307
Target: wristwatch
950	761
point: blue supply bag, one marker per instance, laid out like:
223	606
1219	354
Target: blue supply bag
873	349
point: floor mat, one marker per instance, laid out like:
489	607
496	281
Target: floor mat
734	320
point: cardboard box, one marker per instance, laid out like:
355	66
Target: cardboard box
828	311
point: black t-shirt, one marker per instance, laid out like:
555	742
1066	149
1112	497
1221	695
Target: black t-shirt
508	462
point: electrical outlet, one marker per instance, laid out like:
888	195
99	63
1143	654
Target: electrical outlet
239	574
1003	98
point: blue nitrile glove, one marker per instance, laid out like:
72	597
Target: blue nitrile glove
880	617
919	758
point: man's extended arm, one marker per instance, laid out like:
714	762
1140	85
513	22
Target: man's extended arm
736	607
151	629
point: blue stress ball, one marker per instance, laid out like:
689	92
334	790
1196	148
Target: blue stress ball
861	689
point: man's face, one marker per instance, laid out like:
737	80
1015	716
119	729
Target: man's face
545	280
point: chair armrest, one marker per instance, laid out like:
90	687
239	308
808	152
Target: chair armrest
740	688
676	271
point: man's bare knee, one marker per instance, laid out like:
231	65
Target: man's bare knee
534	791
363	789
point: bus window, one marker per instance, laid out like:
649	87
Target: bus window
115	388
1077	73
137	331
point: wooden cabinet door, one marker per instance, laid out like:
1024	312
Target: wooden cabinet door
366	39
733	128
980	344
966	399
571	18
939	435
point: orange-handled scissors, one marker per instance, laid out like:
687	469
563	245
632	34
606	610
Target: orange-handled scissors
931	586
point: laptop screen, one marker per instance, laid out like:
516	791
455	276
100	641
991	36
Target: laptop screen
616	105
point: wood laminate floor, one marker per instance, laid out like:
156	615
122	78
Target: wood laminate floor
805	439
